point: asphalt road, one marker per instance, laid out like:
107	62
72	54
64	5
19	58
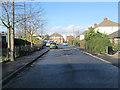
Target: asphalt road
67	68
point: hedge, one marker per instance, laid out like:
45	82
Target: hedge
74	42
96	41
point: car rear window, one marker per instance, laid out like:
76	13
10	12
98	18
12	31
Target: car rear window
53	43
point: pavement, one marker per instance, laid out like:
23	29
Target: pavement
10	69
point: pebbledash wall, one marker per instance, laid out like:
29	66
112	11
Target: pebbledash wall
82	36
107	30
107	26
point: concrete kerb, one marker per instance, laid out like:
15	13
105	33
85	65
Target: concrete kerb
93	55
96	57
12	75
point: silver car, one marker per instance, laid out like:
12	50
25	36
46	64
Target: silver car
47	44
65	43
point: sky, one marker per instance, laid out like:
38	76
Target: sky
68	17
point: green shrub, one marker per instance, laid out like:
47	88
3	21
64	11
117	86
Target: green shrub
34	40
70	42
74	42
96	41
116	47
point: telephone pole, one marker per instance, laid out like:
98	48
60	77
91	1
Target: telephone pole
9	35
73	32
12	33
25	21
41	30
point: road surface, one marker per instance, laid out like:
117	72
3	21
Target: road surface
67	68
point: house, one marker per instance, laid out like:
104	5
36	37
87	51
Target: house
69	37
78	37
64	37
4	37
106	26
56	37
82	36
37	36
115	37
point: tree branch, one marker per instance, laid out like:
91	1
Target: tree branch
4	23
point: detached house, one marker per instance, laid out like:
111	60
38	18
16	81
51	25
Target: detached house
56	37
107	26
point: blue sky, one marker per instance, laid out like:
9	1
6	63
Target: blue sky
79	13
83	14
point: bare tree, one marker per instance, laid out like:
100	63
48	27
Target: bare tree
5	19
9	20
36	22
32	21
32	28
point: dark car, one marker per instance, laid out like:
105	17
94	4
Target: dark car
53	46
44	42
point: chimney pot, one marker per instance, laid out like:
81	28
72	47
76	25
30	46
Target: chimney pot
95	25
105	19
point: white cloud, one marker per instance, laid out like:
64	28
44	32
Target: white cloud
53	29
72	28
66	30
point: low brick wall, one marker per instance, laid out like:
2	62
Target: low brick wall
82	44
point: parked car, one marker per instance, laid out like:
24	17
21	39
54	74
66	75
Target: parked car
47	44
51	41
65	43
44	42
53	46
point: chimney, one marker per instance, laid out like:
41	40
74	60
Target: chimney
105	19
95	25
